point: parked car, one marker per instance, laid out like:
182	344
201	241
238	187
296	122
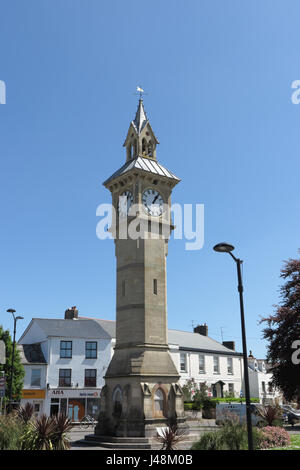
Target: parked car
290	415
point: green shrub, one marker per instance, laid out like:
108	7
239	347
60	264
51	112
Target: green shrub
11	431
230	437
209	441
188	406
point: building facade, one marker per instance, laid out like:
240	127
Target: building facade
73	357
260	381
65	361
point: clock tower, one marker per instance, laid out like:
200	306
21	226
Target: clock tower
141	389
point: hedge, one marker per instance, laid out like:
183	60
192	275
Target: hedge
211	402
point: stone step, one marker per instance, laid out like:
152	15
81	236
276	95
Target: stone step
115	445
121	440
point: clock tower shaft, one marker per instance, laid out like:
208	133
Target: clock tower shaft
141	383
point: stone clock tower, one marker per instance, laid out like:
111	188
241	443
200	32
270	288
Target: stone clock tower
141	389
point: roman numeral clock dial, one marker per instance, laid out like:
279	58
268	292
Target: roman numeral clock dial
153	202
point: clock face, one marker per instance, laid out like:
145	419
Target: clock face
153	202
125	202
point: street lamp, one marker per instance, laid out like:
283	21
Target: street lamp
227	248
12	311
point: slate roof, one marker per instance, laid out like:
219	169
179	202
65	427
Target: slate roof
83	327
143	164
106	329
31	353
189	341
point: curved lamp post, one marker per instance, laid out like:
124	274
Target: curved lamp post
12	311
227	248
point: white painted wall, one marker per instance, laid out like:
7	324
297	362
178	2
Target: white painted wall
209	376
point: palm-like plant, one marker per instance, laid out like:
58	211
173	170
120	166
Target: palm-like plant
170	437
270	414
40	434
62	426
25	412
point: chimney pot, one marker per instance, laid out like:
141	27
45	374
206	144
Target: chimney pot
229	345
201	329
71	313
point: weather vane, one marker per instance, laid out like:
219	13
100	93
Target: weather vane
140	92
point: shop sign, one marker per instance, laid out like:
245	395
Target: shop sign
74	393
33	394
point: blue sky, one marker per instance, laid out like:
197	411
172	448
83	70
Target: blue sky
218	75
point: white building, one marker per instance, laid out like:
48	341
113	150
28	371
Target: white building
260	381
67	373
65	361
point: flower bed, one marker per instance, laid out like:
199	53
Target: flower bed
273	436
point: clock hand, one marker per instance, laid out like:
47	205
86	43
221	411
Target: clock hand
155	198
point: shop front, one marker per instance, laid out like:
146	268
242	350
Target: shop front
75	403
36	397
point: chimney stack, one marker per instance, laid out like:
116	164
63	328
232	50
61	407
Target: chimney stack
71	313
201	329
229	345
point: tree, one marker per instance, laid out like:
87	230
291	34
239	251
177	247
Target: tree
283	333
189	389
19	373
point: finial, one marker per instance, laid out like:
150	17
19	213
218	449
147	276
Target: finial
141	91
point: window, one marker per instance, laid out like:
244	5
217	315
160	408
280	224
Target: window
216	365
66	349
35	378
64	378
229	365
159	402
201	364
91	350
183	362
90	378
231	389
263	386
270	387
155	286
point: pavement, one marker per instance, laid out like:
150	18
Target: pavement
76	435
293	429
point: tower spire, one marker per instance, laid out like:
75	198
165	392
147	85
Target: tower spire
140	119
140	140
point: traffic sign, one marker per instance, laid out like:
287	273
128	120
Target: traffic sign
2	393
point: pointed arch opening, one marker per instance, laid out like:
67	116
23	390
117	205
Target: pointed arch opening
159	403
150	148
117	399
144	145
134	149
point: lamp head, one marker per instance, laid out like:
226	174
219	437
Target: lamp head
223	248
11	310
